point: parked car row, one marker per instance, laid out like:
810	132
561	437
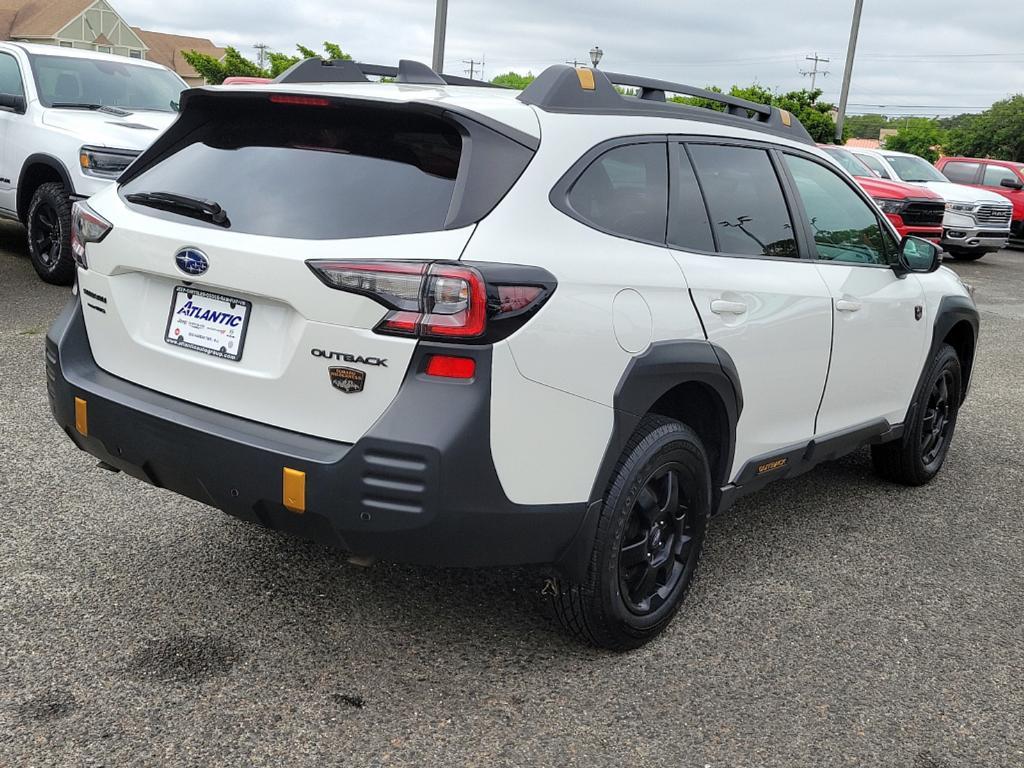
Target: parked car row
977	219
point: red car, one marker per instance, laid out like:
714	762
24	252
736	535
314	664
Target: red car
913	210
1002	176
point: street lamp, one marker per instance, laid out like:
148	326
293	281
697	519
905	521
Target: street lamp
595	55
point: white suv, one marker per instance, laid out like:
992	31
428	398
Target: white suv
468	326
977	221
70	122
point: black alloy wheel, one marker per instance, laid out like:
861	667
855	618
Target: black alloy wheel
937	422
46	234
658	545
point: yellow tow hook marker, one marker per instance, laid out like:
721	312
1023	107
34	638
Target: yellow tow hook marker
294	490
586	77
81	417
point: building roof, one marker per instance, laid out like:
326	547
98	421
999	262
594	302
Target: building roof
166	49
864	143
37	18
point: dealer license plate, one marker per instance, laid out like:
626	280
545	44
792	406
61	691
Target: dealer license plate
208	322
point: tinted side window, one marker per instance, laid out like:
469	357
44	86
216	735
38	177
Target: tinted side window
688	225
994	175
874	165
845	227
745	203
962	173
10	76
625	192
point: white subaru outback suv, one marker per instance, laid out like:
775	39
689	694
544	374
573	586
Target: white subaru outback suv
467	326
70	122
977	221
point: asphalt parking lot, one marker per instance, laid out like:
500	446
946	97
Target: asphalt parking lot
838	621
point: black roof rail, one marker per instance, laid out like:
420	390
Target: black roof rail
317	70
561	88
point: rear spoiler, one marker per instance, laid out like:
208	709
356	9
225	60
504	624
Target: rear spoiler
199	105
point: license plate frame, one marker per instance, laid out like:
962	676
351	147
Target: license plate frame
190	332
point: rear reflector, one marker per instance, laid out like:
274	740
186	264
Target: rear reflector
449	367
294	490
302	101
81	417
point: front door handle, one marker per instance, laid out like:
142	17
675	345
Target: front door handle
723	307
847	305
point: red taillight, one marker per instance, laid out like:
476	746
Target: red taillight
451	367
302	101
454	301
426	299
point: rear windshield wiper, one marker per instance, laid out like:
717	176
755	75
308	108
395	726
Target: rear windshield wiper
195	207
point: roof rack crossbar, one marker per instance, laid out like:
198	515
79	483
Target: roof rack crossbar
317	70
736	105
561	88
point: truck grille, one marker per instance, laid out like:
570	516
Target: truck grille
924	214
995	214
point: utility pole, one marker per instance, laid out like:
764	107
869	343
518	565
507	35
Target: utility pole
440	26
471	66
575	63
851	51
814	72
261	53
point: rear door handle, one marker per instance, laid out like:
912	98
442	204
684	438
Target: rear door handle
723	307
847	305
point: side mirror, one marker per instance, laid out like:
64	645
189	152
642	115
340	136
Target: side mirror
12	102
1011	183
918	255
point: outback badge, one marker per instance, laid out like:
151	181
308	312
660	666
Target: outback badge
348	380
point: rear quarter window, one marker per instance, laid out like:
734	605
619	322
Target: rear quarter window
625	192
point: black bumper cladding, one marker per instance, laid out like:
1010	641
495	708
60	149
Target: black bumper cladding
420	487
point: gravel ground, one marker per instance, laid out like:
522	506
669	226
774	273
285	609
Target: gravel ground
838	621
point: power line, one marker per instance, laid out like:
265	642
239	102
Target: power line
814	72
261	53
472	64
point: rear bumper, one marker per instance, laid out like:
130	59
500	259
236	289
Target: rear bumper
419	487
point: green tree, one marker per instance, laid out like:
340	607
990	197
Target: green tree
513	80
866	126
816	116
997	133
234	64
919	136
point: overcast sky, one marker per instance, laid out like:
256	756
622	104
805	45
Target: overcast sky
914	56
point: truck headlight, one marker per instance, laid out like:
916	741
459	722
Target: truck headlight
105	162
890	206
960	208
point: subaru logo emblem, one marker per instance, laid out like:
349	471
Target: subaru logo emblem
191	261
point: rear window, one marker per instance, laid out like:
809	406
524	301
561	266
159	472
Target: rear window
316	172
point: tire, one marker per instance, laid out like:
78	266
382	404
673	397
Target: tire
918	456
620	605
49	234
963	255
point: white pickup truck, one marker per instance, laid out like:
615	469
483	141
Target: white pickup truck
977	220
70	122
